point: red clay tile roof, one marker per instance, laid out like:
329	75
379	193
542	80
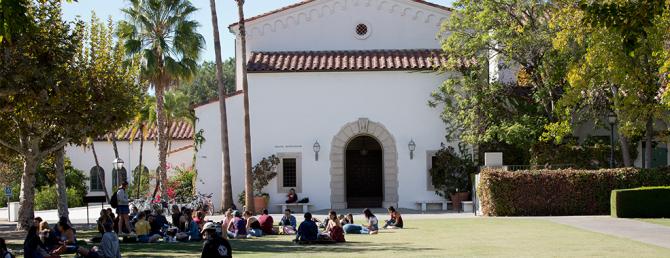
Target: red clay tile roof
179	131
288	7
359	60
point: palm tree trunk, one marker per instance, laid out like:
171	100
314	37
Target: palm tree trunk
161	173
120	177
61	187
227	190
101	176
248	180
139	174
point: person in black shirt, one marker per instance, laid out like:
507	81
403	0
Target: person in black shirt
215	246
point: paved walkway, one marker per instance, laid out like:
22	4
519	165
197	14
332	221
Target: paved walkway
625	228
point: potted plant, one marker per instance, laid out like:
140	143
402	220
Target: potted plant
451	174
262	173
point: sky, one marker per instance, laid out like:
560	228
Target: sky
226	11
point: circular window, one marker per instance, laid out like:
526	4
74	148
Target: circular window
362	31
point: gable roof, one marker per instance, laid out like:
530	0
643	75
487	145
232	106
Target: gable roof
304	2
340	61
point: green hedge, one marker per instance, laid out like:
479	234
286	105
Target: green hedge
559	192
644	202
47	199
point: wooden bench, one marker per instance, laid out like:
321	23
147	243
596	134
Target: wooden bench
467	206
305	206
444	204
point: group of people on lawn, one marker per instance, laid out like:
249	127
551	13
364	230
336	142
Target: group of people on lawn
152	226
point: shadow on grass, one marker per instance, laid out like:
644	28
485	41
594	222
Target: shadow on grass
267	244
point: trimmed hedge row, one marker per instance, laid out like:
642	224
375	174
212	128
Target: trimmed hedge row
559	192
644	202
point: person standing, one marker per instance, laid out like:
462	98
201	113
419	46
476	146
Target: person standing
215	246
123	209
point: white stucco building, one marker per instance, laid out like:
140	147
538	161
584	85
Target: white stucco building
180	154
353	76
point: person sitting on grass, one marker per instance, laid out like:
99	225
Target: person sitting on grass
102	220
200	219
193	230
253	226
291	197
334	228
225	223
308	230
142	228
68	239
267	223
288	223
349	219
133	215
215	246
238	228
109	246
176	215
4	252
47	236
33	247
396	219
371	228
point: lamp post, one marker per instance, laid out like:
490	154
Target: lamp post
118	165
412	148
611	118
316	148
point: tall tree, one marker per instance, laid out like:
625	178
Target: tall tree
144	118
204	86
59	101
164	34
620	69
248	180
227	189
509	76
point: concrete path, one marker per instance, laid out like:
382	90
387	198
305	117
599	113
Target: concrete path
625	228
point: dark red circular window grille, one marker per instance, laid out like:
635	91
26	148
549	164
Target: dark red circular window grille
361	29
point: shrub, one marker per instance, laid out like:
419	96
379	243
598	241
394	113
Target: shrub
180	187
263	172
451	171
644	202
47	199
559	192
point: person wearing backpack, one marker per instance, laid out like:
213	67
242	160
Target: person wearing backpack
122	208
3	250
215	246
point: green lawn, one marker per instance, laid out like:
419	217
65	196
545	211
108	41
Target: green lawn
500	237
664	222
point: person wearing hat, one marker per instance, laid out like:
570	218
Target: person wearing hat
215	246
123	209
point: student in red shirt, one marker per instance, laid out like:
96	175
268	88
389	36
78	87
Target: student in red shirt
291	197
267	223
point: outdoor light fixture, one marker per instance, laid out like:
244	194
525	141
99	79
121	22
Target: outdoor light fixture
317	148
118	163
412	147
611	118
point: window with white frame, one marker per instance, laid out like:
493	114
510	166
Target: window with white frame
430	160
290	172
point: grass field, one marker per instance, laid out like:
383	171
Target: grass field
499	237
664	222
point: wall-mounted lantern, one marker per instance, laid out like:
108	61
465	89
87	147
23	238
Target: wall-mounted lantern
412	147
317	148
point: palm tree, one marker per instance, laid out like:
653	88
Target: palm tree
227	191
145	116
248	180
177	109
166	37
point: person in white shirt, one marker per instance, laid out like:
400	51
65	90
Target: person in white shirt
122	208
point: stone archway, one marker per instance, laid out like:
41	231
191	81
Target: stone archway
337	159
